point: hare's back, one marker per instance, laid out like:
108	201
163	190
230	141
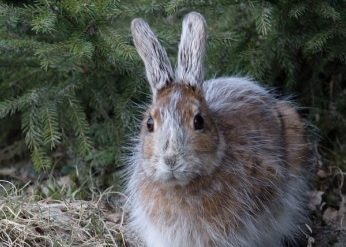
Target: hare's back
255	121
232	93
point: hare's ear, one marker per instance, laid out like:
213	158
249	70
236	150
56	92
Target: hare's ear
192	49
158	67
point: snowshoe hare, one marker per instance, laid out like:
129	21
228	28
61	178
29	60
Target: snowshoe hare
217	163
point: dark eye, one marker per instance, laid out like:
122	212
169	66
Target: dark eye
150	124
198	122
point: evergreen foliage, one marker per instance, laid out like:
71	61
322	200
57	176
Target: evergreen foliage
70	78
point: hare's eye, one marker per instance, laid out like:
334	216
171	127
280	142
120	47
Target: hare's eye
198	122
150	124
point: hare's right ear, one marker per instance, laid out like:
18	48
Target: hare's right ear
158	67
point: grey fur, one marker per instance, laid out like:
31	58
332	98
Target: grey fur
192	49
158	67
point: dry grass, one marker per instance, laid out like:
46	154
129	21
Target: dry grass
24	221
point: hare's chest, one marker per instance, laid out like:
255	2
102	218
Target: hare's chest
175	229
180	222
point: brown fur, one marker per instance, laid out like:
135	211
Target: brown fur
293	131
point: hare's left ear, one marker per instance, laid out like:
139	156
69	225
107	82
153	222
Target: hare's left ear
192	49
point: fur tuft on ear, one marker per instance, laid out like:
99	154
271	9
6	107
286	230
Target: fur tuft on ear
158	67
192	49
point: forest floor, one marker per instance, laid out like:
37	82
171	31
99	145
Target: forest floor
49	213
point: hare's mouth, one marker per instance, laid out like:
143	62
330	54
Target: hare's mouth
169	177
173	178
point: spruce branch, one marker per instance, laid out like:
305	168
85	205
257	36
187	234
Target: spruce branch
32	127
40	159
44	23
11	106
79	124
327	11
316	43
264	19
51	133
298	10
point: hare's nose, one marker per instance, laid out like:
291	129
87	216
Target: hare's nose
170	161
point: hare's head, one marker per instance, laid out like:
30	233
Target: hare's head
179	135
